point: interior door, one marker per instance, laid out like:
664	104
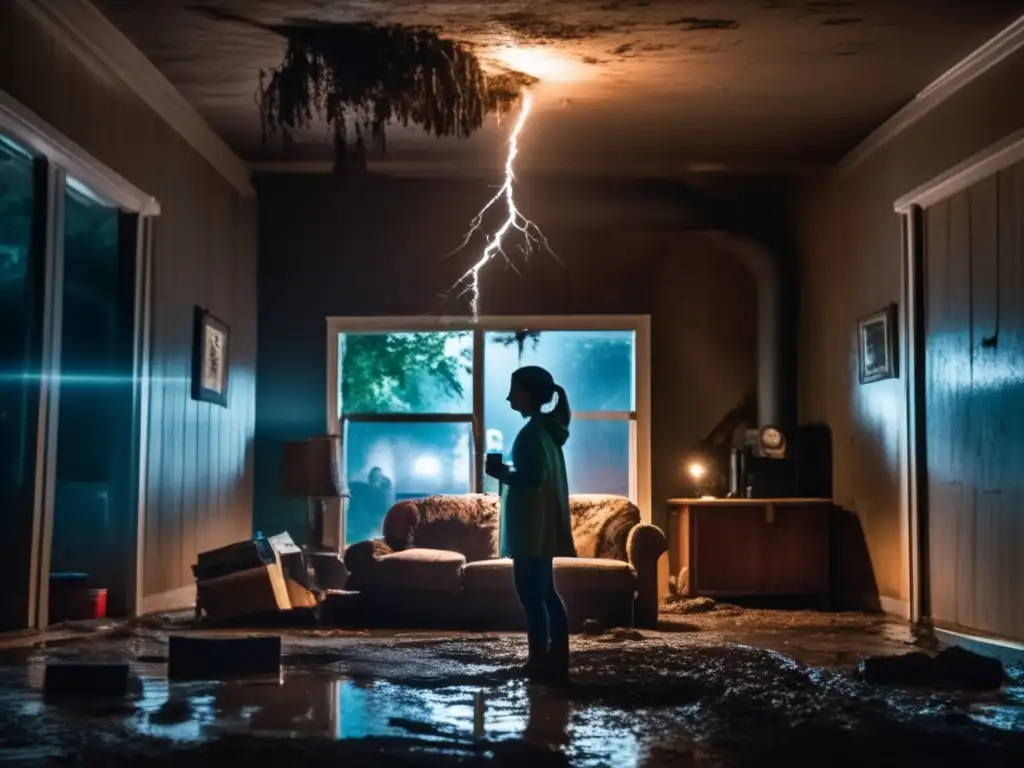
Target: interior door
974	407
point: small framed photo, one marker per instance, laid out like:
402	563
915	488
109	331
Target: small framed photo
210	360
876	345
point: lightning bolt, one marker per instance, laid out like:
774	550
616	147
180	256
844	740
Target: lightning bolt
514	219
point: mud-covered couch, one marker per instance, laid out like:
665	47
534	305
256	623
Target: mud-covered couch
436	565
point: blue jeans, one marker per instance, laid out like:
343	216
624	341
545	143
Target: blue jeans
547	624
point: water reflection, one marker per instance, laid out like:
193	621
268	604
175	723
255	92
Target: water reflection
310	704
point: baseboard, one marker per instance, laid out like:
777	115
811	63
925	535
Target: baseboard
1007	651
172	600
895	607
872	602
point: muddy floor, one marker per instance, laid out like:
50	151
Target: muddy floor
716	686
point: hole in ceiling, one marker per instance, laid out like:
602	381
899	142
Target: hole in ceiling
360	77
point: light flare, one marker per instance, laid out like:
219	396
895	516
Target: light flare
532	235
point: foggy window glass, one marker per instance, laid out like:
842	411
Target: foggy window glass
428	372
596	369
389	461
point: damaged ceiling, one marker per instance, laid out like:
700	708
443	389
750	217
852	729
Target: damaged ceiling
627	87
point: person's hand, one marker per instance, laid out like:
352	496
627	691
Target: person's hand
494	466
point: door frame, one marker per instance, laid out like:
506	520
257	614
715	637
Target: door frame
60	159
911	207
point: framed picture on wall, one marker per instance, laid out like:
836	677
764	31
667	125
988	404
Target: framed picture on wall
876	345
210	360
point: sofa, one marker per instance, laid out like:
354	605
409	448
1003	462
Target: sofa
436	565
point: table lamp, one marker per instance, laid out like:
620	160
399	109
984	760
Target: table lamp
312	469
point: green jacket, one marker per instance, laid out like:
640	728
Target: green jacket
535	519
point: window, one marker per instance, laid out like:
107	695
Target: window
596	369
406	372
406	407
419	403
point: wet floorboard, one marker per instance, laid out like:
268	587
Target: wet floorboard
729	687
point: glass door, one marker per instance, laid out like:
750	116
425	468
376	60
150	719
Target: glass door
95	451
20	350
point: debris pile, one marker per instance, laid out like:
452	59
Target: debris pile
953	667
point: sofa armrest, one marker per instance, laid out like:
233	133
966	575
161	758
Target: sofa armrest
645	545
360	559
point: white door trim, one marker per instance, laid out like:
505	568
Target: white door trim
49	399
996	157
141	373
912	465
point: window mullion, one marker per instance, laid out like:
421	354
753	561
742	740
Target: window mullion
604	416
479	446
414	418
633	473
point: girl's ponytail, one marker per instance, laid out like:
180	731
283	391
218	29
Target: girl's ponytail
561	412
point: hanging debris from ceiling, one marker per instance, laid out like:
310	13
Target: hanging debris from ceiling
361	77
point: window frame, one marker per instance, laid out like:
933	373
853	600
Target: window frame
639	418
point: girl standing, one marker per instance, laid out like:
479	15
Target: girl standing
535	521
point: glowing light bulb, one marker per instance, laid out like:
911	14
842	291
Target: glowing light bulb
697	470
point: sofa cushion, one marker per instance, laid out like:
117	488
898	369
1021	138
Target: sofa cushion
598	574
601	524
432	570
572	575
488	576
466	523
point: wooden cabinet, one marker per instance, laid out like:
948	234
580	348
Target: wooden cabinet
745	547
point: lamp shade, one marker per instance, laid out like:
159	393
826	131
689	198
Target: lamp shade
311	468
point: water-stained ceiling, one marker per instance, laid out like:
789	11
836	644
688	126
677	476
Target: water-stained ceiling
627	87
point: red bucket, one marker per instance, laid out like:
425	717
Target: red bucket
97	603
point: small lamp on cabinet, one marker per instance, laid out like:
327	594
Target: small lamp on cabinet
701	473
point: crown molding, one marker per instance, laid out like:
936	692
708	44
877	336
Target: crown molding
385	166
93	35
451	168
26	127
990	161
999	48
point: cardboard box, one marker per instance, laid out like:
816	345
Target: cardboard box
244	593
253	577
